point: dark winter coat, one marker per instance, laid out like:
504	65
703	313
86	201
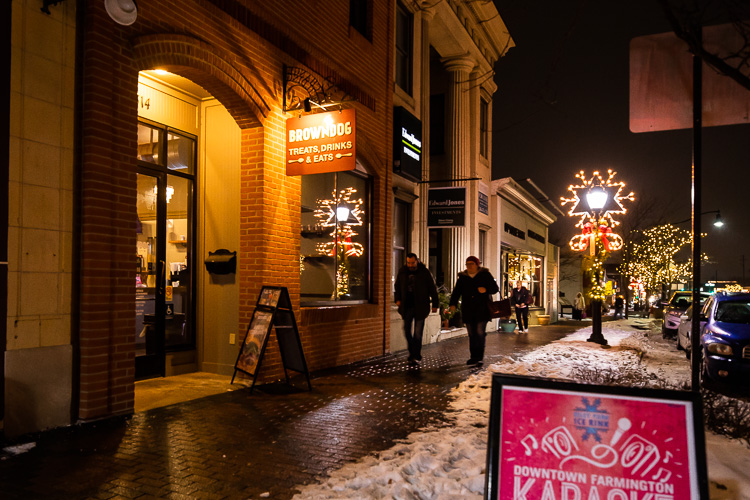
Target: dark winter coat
424	291
473	303
520	297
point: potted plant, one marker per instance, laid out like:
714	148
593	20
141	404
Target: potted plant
446	315
507	325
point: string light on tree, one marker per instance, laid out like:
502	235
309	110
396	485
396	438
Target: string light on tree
653	259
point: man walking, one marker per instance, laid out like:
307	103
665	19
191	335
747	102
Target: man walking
520	298
414	289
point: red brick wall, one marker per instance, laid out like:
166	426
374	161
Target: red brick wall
240	62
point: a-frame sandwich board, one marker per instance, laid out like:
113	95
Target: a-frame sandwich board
273	309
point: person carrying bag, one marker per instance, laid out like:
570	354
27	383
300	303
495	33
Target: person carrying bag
521	299
474	287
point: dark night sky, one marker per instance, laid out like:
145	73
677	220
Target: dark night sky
562	106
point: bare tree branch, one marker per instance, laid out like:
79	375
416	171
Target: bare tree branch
686	24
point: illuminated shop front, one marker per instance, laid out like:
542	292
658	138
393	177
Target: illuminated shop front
525	253
523	267
186	154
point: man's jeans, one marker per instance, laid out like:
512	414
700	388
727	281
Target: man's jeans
413	340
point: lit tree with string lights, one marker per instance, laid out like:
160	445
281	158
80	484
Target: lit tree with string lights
595	201
653	260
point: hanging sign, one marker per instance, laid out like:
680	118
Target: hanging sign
446	207
407	144
551	439
483	200
320	143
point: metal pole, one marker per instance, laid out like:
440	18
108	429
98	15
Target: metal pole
697	154
596	304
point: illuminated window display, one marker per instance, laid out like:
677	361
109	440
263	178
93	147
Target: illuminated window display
524	267
335	243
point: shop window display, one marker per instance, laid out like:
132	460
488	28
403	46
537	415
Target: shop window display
335	242
527	269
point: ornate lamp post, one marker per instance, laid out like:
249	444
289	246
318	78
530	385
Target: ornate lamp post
596	197
603	199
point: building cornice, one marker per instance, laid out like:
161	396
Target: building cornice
512	191
473	27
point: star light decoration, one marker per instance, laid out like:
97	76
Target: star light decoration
593	224
342	213
342	229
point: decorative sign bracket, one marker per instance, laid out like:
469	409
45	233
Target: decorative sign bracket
302	90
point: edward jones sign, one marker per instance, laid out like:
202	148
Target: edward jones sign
319	143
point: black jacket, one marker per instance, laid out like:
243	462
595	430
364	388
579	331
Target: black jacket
474	304
520	297
424	291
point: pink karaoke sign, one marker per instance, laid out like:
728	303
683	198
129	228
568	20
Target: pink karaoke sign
571	445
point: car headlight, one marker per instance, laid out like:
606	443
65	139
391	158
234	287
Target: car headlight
716	348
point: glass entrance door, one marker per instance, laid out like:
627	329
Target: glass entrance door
149	281
164	283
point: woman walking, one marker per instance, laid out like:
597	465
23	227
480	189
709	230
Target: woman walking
474	286
579	305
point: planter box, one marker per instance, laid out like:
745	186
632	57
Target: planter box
543	319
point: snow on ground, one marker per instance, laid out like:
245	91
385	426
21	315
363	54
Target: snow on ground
448	462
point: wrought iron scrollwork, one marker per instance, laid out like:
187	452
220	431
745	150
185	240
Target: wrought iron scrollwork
302	89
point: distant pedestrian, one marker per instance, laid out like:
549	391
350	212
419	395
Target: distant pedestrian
579	306
414	290
619	306
521	298
474	286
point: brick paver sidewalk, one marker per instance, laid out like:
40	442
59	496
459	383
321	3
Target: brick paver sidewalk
242	445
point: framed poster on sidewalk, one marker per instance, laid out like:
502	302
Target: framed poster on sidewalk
273	310
551	439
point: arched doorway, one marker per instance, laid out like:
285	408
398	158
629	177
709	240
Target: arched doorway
187	204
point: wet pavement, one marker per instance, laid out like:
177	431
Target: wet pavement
261	444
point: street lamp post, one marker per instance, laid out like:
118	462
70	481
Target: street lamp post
718	221
596	199
601	199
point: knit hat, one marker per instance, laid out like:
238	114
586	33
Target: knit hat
472	259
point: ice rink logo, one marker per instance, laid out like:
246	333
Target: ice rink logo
591	419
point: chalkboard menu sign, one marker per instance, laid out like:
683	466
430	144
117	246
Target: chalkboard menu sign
273	309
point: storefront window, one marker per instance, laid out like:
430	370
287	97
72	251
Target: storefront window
335	242
149	143
180	153
527	269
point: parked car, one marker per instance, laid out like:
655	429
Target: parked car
684	342
674	308
725	339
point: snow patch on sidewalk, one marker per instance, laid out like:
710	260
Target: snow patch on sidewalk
448	462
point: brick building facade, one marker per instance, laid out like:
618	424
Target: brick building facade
237	51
